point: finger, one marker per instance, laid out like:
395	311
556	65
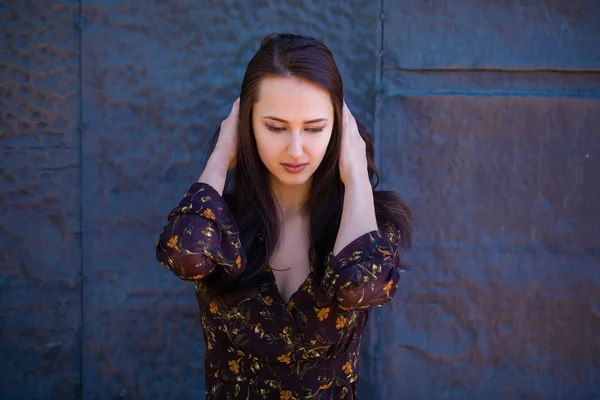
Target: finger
350	117
351	126
347	112
344	121
235	111
236	104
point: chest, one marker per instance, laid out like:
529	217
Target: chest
290	261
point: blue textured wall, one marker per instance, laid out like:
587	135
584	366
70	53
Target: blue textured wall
40	201
490	126
486	118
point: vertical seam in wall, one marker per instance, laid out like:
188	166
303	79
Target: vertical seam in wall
378	88
374	323
81	225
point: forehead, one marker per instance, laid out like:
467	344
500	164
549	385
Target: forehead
292	99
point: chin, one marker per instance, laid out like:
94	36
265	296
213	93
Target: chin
293	179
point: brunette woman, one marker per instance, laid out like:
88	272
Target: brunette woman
288	261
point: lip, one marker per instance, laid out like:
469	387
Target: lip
294	168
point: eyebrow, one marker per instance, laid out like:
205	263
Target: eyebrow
312	121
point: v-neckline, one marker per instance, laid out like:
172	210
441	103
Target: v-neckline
270	271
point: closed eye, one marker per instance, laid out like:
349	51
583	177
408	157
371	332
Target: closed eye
281	129
275	128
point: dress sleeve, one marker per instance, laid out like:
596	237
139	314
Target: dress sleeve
366	272
200	236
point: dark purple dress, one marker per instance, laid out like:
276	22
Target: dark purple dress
261	347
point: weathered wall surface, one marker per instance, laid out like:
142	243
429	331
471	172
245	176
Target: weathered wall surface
40	201
491	129
486	119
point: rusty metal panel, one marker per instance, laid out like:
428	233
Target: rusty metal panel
486	120
490	116
482	82
554	34
40	261
504	298
157	80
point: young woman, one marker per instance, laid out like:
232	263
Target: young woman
289	260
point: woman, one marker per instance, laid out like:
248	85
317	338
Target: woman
288	262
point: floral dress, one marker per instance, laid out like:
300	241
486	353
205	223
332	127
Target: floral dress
260	346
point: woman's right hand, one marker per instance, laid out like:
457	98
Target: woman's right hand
227	142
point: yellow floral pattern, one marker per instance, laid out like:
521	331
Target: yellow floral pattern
387	287
286	395
209	214
234	367
212	307
347	368
172	242
322	313
258	345
284	359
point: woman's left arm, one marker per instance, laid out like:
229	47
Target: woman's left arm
358	212
362	269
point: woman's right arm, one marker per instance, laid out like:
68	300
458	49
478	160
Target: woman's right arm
201	233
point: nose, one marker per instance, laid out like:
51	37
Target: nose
295	146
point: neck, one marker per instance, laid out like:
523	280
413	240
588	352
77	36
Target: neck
291	199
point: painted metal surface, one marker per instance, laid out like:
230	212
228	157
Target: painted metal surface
486	120
40	201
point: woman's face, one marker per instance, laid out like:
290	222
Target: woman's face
292	121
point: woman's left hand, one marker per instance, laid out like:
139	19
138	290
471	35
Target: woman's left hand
353	154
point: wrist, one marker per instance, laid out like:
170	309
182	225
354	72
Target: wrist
215	172
358	181
218	161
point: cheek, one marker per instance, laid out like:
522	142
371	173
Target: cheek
322	144
260	146
266	148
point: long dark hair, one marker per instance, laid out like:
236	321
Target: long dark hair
248	190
